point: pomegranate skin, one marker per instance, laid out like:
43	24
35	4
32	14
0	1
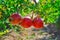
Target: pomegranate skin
15	19
26	22
37	23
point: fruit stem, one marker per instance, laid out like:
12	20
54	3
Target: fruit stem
32	15
17	11
38	15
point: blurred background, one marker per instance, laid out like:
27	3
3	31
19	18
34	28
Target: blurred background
49	10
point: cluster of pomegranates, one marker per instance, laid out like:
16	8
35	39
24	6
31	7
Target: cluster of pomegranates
25	22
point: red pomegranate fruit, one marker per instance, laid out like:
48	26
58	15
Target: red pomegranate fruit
15	18
37	23
26	22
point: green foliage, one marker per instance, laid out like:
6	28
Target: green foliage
48	9
58	22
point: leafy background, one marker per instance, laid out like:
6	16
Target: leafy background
48	10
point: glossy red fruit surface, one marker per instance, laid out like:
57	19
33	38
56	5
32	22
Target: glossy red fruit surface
26	22
37	23
15	19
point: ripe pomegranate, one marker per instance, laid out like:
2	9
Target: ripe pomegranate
37	23
26	22
15	19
